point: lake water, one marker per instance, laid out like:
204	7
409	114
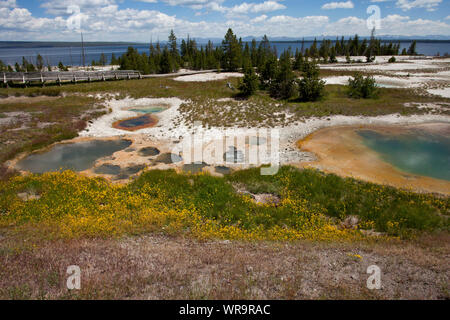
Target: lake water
78	156
418	151
72	55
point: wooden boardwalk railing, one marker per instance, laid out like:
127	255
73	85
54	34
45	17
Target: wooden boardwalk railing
66	76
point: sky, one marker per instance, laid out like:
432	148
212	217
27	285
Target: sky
143	20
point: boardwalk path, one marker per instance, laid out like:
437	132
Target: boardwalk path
75	76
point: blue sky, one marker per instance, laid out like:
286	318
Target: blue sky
138	20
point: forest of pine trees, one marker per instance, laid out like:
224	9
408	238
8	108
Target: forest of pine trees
232	55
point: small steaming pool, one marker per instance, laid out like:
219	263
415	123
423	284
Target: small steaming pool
77	156
148	110
415	151
136	123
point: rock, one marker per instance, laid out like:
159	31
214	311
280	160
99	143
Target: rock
25	196
266	198
372	233
350	222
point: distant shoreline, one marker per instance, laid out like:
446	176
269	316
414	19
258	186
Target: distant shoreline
57	44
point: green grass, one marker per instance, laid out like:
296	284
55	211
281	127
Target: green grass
391	210
308	197
261	110
151	87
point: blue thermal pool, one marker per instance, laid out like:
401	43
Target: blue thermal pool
77	156
416	151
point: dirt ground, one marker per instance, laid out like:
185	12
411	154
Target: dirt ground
161	267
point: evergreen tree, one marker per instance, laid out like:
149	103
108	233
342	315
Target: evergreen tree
333	58
232	52
39	62
27	66
174	51
283	85
184	51
412	49
354	46
372	47
103	60
3	66
298	63
324	50
310	87
61	67
254	53
211	59
249	84
337	47
167	64
114	60
313	51
246	58
268	72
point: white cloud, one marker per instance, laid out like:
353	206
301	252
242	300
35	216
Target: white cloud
390	25
59	7
259	19
267	6
338	5
8	4
103	20
195	4
429	5
216	5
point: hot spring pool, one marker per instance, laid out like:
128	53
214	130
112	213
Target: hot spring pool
417	151
78	156
136	123
148	110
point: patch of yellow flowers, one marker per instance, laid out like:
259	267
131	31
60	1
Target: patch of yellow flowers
73	206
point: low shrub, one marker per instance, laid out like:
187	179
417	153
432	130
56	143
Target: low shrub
362	87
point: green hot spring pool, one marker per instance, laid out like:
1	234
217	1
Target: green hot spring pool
78	156
148	110
416	151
